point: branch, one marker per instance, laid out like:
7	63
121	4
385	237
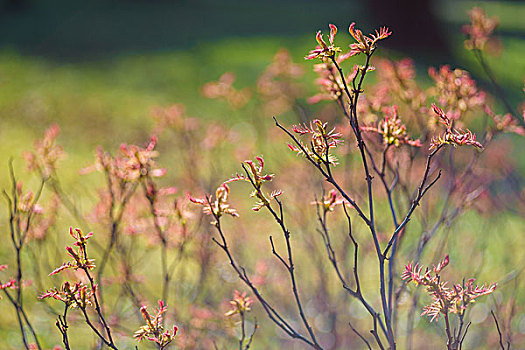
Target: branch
360	336
272	314
499	330
422	189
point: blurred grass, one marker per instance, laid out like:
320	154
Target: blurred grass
107	100
78	30
93	101
510	13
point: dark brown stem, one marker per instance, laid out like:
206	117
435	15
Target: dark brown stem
255	326
360	336
243	331
63	327
354	122
272	314
279	218
464	335
374	333
333	260
498	329
422	189
18	237
450	339
95	330
98	309
328	178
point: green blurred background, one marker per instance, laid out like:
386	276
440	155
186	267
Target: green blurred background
98	67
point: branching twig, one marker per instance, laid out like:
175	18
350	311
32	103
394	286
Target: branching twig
272	314
498	329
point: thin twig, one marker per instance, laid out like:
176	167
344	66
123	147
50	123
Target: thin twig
499	330
360	336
